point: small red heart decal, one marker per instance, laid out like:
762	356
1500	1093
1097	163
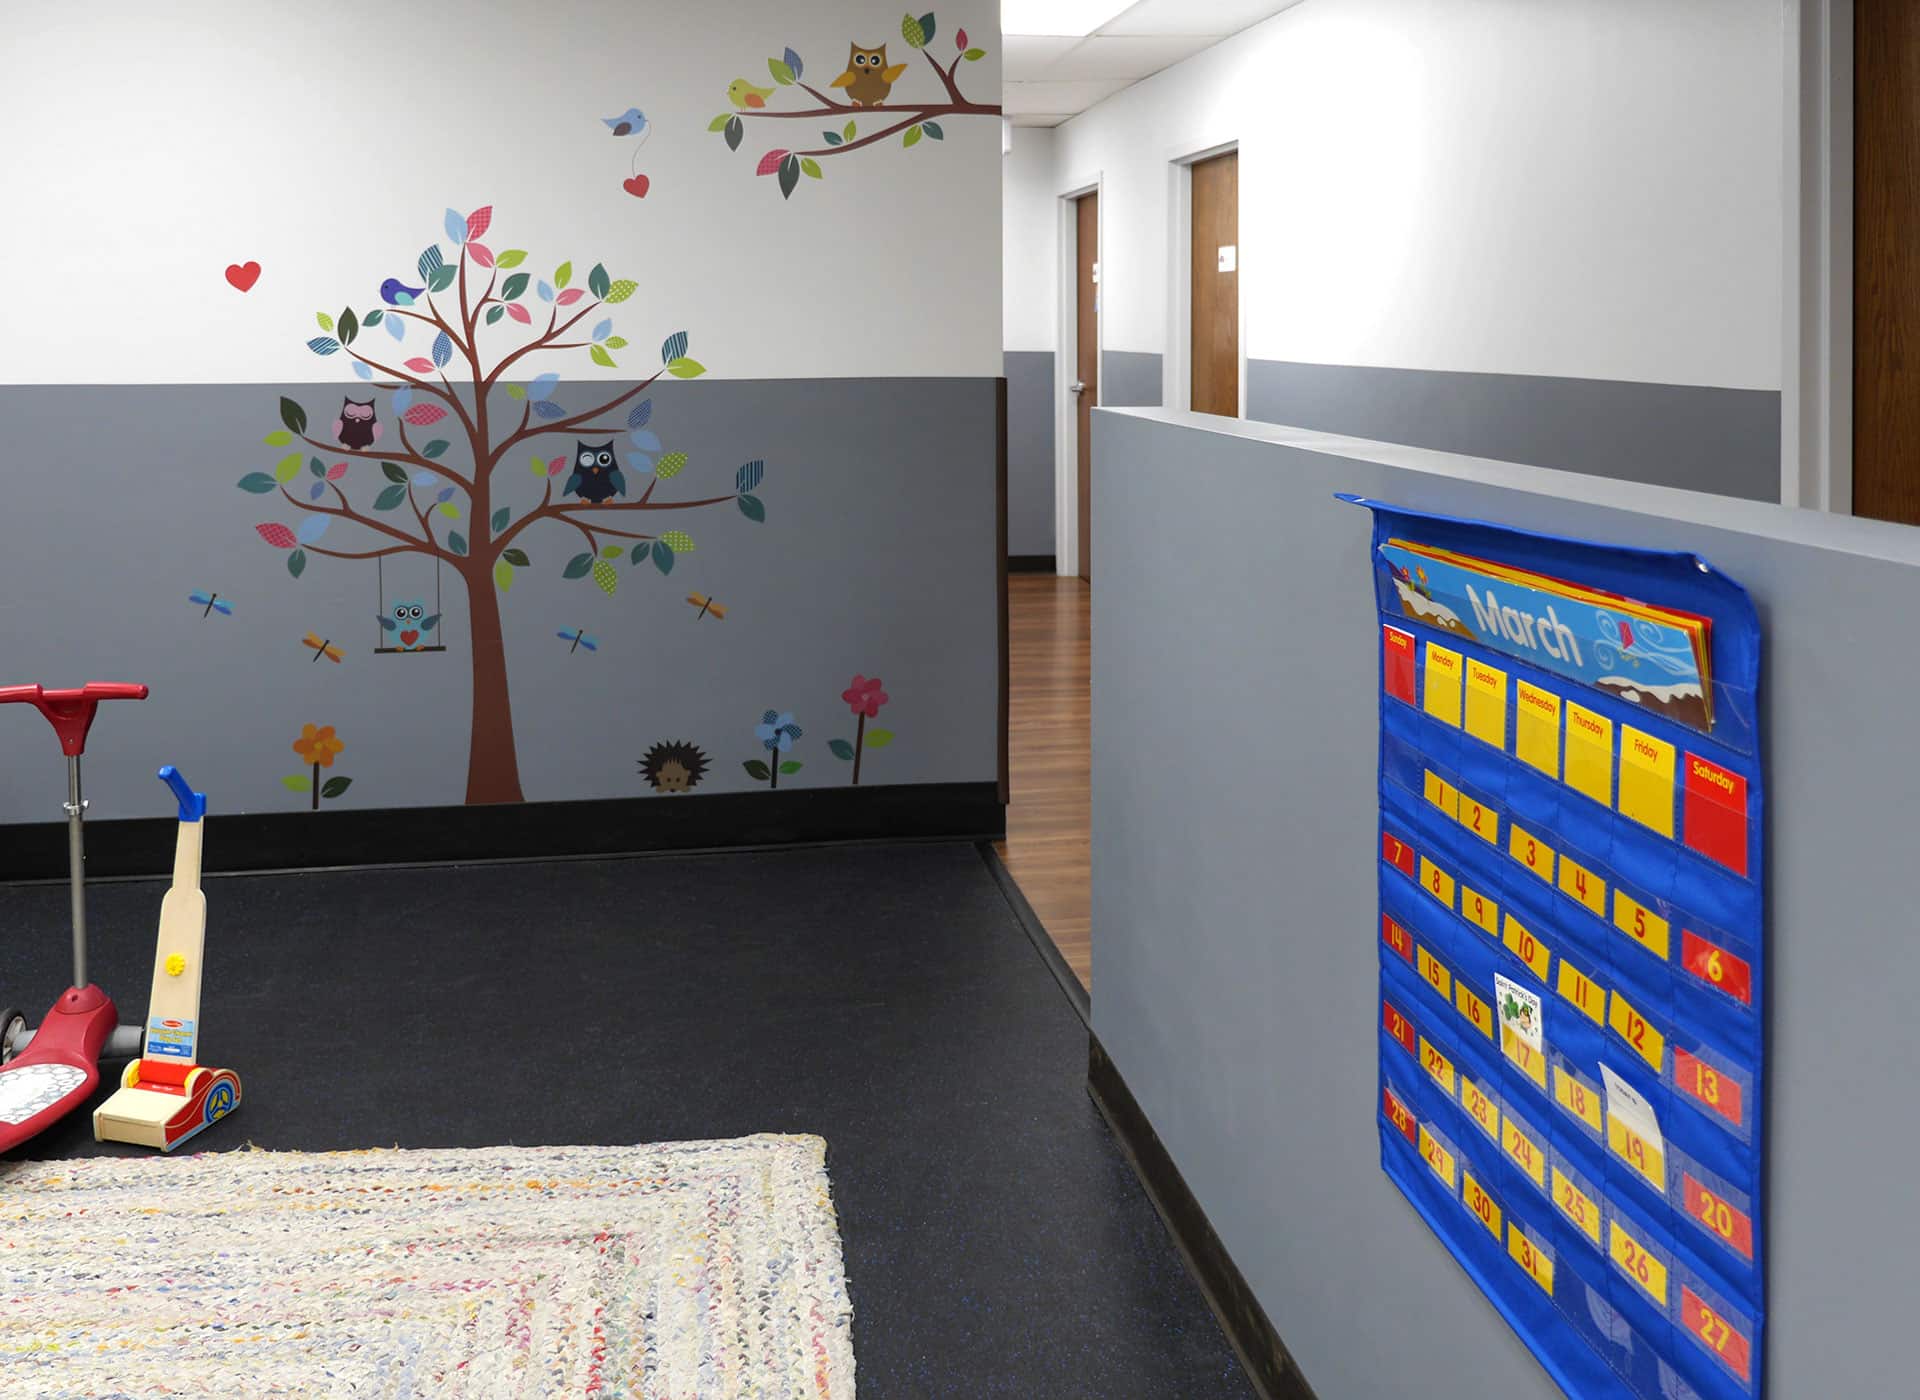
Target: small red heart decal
637	186
243	275
409	638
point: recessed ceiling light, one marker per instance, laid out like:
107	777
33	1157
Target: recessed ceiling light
1072	18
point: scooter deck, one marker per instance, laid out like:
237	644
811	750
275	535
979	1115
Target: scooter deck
59	1070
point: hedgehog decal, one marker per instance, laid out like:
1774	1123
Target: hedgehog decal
674	767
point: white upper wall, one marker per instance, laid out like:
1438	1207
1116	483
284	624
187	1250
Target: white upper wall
149	146
1031	241
1587	188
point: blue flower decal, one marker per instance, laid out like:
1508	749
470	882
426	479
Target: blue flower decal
776	731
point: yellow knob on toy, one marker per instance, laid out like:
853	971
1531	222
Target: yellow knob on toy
175	964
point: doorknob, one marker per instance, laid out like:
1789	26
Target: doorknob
1076	387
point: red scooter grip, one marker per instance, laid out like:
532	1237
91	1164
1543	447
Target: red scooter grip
70	712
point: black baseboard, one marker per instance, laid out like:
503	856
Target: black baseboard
1037	935
1032	564
1268	1364
519	831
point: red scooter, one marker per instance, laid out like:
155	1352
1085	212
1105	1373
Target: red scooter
47	1073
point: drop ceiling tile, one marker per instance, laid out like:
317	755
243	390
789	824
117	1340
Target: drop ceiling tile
1218	18
1131	57
1040	118
1026	57
1023	99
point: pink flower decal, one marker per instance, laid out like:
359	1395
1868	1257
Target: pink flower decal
864	696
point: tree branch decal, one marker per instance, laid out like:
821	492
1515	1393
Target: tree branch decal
476	330
868	83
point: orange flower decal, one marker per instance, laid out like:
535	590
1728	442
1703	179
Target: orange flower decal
318	744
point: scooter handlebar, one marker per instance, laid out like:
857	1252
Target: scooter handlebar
70	711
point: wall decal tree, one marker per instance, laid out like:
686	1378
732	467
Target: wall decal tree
869	91
458	381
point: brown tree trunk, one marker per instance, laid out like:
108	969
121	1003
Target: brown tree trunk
493	765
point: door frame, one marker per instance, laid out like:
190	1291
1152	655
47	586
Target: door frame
1066	422
1176	387
1816	341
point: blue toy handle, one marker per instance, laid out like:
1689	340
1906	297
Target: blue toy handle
193	805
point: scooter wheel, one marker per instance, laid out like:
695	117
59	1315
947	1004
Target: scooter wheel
13	1024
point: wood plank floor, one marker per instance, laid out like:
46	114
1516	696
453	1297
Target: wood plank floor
1048	847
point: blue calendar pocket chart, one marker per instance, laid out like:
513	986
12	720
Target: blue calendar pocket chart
1571	938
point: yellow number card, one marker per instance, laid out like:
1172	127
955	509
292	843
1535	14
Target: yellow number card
1536	728
1526	1149
1439	1068
1437	1157
1530	851
1583	992
1649	1159
1443	684
1525	1058
1637	1262
1632	1027
1480	1107
1480	911
1487	703
1524	946
1590	753
1479	1015
1436	882
1577	1097
1433	970
1532	1256
1482	821
1576	1205
1640	924
1583	885
1646	780
1481	1205
1441	795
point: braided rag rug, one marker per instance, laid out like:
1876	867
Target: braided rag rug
678	1271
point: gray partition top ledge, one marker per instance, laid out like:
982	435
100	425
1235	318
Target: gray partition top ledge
1846	534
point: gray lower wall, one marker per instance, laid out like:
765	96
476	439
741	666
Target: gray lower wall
1030	449
1132	378
876	556
1699	438
1234	895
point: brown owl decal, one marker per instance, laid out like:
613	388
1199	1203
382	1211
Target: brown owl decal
868	79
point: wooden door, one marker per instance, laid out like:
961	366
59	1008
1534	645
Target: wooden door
1086	360
1886	260
1215	385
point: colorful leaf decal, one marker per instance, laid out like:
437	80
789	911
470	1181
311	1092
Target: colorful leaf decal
547	408
514	286
603	329
294	416
349	326
848	133
430	262
513	257
256	483
396	326
481	254
334	786
498	520
279	437
662	556
960	39
810	167
520	314
420	364
479	221
434	448
751	507
287	468
336	471
319	490
832	138
926	28
442	350
426	477
933	129
360	369
673	347
598	282
577	566
373	317
502	575
638	415
606	576
569	296
719	123
557	465
456	542
679	541
792	765
913	31
442	279
611	551
325	321
620	290
393	472
783	73
598	354
912	136
544	290
645	439
669	466
424	415
792	60
974	55
317	467
755	769
443	495
749	475
789	176
542	385
770	162
323	345
879	738
456	227
297	562
516	557
736	130
390	497
297	782
683	368
563	274
401	398
312	528
840	749
494	313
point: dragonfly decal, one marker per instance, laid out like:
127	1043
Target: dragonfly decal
708	608
579	638
210	603
322	647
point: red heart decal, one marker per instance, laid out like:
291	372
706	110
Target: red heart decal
243	275
409	638
637	186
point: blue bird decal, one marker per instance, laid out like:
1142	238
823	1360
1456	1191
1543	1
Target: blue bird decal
394	292
632	122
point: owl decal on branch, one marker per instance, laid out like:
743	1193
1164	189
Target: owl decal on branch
430	462
866	112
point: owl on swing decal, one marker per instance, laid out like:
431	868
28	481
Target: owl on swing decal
408	624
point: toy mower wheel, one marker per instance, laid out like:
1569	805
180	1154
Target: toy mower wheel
13	1024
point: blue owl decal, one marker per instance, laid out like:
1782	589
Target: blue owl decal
408	624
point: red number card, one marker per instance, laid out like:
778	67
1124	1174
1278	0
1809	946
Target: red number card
1727	1222
1716	967
1715	813
1396	938
1712	1089
1398	1026
1398	669
1716	1333
1398	854
1399	1116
